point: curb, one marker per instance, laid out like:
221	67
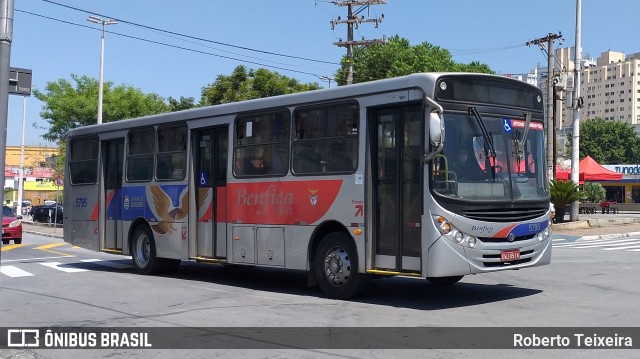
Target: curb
44	234
609	236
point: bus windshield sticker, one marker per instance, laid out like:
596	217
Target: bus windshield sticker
359	178
249	131
506	123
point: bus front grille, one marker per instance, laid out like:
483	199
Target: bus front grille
505	240
506	215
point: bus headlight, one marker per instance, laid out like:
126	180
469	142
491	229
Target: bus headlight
458	237
472	242
544	234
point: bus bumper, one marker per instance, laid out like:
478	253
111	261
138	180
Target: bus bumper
533	253
446	258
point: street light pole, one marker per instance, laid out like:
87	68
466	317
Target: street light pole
21	183
102	22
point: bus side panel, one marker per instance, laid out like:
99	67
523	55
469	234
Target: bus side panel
81	212
166	211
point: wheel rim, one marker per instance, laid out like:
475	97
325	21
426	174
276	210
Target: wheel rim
337	266
143	250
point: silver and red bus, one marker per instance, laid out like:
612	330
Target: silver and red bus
431	175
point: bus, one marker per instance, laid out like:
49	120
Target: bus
346	183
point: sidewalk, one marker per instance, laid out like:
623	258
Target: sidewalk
599	226
43	229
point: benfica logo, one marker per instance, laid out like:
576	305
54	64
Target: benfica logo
313	198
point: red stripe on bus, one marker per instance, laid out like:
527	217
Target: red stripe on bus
281	202
503	233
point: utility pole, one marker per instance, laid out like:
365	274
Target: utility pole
6	38
550	73
353	21
103	22
577	104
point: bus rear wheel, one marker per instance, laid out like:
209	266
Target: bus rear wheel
143	250
442	281
336	267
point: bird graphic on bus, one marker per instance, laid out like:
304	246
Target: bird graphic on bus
166	212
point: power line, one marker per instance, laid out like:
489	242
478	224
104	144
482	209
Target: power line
170	45
189	36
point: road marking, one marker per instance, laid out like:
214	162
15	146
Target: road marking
47	247
14	272
27	260
108	263
619	248
9	247
592	245
57	265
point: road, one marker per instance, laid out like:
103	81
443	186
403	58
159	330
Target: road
46	282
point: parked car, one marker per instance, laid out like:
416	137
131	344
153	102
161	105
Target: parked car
47	214
11	227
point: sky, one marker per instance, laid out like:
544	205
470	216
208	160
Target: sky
493	32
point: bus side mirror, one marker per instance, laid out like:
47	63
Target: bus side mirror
436	128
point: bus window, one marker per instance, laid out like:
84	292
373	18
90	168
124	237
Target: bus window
262	145
83	161
171	160
326	139
140	154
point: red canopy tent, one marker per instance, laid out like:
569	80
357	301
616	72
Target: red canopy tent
562	175
590	170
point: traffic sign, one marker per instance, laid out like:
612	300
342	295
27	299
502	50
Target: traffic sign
58	182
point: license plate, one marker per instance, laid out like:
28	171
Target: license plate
511	255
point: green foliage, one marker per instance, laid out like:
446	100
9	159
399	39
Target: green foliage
608	142
594	192
184	103
245	84
73	104
563	193
398	58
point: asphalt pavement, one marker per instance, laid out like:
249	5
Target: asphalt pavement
588	226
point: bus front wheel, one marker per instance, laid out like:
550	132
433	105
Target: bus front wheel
442	281
143	250
336	267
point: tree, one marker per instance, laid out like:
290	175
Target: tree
398	58
184	103
245	84
562	193
594	192
73	104
608	142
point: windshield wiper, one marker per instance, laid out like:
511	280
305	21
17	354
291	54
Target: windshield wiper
520	142
491	152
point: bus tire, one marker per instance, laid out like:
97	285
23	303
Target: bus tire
336	267
6	241
443	281
143	251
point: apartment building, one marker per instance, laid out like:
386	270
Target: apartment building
611	88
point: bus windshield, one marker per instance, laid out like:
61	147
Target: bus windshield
493	163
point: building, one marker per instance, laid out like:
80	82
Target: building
610	89
38	183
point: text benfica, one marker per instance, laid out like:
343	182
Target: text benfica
580	340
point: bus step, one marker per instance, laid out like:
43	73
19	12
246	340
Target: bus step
210	260
114	251
388	272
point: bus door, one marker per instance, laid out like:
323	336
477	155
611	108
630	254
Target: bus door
396	183
211	195
113	161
